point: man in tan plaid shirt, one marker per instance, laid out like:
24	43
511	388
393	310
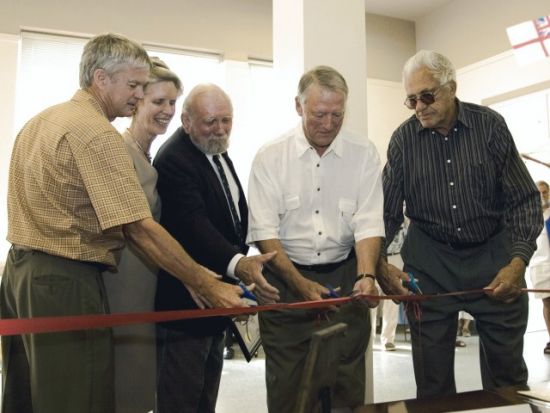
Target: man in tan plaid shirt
73	199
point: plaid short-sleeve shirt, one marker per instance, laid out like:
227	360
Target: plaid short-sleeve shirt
72	184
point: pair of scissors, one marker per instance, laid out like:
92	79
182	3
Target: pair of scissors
247	293
332	293
412	285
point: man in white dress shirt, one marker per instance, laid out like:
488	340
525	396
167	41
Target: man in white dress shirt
315	197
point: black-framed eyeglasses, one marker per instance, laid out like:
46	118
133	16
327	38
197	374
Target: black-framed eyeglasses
426	98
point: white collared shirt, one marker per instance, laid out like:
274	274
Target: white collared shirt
317	206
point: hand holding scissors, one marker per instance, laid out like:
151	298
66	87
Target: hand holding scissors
248	295
332	292
412	285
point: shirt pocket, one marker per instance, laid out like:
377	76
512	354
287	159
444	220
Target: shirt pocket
481	180
346	211
291	204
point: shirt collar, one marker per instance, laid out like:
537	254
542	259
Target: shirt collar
303	146
82	95
463	115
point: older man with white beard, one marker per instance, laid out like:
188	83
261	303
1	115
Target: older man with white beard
204	208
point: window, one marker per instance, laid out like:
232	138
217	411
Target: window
49	69
527	117
48	74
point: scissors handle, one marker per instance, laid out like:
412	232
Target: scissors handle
331	292
412	285
247	293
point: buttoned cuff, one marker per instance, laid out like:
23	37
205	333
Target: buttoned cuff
523	250
232	265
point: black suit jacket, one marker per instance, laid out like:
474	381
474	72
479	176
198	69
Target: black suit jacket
195	212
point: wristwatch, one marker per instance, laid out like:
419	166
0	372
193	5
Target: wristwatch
364	275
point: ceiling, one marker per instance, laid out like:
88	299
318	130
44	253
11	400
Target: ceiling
404	9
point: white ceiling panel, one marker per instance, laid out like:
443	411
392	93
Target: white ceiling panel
404	9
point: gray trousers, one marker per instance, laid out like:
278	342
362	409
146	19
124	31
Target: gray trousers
55	372
440	269
286	337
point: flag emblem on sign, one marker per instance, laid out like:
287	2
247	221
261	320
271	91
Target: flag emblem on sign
531	39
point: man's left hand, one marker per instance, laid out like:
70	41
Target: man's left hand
366	286
249	271
507	284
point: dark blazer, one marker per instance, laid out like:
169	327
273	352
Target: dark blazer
195	212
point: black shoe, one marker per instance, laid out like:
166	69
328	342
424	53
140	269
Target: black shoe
228	353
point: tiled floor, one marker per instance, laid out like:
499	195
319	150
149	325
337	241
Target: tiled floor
243	390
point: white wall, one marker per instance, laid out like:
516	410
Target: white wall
385	112
468	31
498	75
237	28
9	45
345	50
386	34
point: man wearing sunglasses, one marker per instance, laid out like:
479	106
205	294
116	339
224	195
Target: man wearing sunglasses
474	218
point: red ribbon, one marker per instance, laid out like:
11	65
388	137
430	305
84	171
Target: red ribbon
35	325
83	322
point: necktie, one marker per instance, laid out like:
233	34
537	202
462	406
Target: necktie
236	221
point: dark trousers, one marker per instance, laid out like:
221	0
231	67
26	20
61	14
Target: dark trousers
229	339
189	370
55	372
440	269
286	337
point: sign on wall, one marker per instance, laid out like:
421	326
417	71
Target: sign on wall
531	39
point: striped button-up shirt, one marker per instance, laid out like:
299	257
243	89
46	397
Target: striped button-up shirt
461	187
72	184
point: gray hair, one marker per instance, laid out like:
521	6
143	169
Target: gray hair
160	72
438	65
324	76
198	90
109	52
543	183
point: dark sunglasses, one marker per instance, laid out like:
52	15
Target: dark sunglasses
426	98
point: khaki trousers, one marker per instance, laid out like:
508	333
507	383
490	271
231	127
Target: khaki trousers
55	372
286	337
